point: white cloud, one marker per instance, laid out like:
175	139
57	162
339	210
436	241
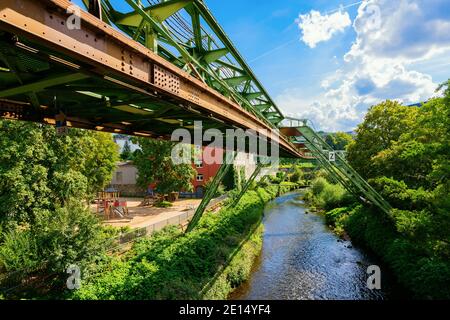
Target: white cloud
406	30
392	37
318	28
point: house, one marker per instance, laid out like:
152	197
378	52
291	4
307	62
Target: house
205	170
125	178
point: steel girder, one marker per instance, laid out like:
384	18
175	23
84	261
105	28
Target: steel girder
341	171
186	33
252	178
128	88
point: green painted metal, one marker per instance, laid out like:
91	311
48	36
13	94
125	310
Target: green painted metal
42	84
211	191
248	183
254	95
214	55
185	33
235	81
159	12
341	170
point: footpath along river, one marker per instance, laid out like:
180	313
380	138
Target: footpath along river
303	259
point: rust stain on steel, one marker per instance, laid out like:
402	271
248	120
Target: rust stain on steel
113	54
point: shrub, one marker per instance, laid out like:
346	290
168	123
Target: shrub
422	271
171	265
18	251
328	196
318	185
163	204
69	235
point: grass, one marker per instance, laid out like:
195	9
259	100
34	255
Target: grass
208	263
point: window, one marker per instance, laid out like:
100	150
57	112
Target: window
119	176
199	164
199	177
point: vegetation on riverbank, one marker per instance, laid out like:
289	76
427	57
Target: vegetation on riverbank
45	182
209	262
405	154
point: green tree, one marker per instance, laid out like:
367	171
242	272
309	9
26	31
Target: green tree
44	180
382	126
41	171
126	152
154	163
338	140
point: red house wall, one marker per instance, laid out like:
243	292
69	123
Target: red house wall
208	170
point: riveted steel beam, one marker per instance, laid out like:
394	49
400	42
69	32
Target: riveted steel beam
113	57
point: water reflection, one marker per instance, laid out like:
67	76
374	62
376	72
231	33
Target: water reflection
303	259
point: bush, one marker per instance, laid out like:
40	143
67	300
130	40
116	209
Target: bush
318	185
327	196
425	273
70	235
297	176
163	204
18	252
171	265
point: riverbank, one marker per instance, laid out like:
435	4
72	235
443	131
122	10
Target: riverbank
207	263
303	259
424	273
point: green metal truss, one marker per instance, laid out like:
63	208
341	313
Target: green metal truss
211	191
340	170
252	178
185	33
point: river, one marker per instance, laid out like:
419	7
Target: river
303	259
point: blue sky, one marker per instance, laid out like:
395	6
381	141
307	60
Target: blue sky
266	33
341	57
330	60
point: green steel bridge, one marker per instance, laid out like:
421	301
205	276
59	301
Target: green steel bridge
145	71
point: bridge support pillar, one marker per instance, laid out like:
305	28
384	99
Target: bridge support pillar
211	191
248	183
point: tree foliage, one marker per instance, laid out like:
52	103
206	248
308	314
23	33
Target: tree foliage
338	140
126	152
405	152
44	182
154	163
41	171
382	126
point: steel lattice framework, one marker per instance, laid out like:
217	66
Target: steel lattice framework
142	68
146	71
185	33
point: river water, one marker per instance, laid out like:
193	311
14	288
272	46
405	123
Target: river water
303	259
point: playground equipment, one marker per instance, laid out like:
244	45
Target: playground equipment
110	205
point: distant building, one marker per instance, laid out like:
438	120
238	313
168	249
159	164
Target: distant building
205	172
125	178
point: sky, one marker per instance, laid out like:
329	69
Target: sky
330	60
